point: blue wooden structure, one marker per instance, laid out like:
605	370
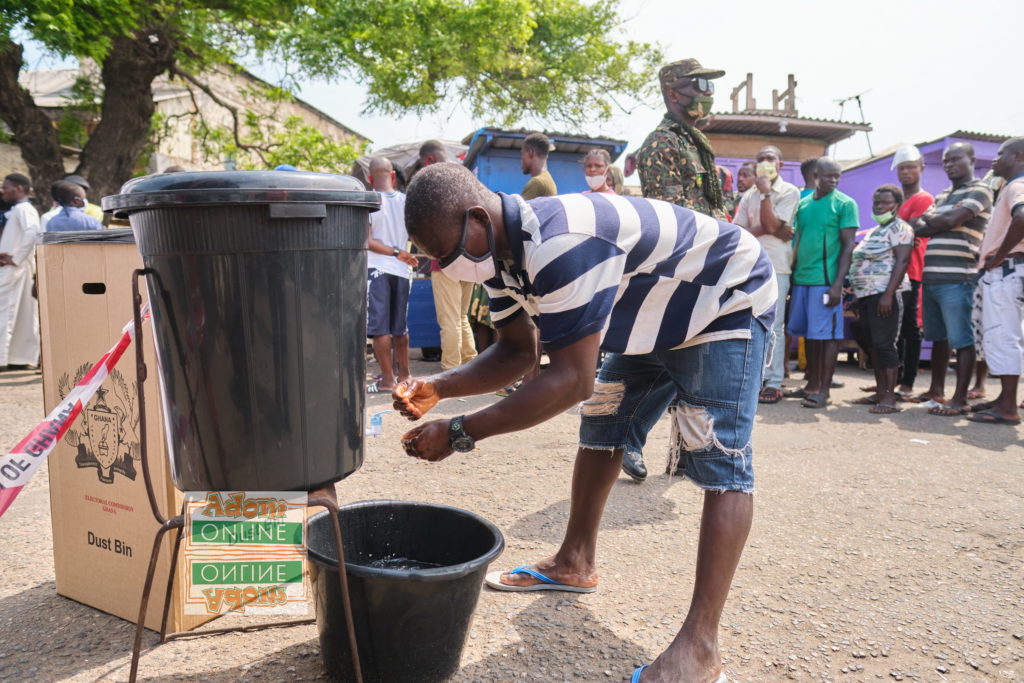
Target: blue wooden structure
423	330
493	155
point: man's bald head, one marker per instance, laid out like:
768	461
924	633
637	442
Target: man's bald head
960	147
380	165
436	203
827	164
433	152
382	174
66	192
958	162
1009	161
769	150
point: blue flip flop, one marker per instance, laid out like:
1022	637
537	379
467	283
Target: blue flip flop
493	580
636	676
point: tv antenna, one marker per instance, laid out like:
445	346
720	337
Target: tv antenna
860	106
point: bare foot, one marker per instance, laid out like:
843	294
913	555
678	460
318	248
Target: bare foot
685	661
570	576
927	396
950	409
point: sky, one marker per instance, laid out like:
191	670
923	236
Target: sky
923	68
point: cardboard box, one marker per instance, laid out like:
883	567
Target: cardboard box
103	528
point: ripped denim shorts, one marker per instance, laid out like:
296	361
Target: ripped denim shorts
712	388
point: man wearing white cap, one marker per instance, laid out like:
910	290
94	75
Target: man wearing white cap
909	165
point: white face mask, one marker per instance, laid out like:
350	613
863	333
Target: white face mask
596	181
464	267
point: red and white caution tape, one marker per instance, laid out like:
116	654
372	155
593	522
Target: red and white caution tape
18	466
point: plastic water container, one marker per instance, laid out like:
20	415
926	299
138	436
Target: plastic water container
258	291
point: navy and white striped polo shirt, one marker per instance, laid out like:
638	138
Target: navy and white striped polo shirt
649	275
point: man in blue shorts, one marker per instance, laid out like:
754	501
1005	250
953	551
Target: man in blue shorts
955	226
681	303
388	280
825	224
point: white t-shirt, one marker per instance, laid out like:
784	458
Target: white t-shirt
388	226
785	198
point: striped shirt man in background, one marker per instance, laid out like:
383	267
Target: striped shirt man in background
955	226
681	302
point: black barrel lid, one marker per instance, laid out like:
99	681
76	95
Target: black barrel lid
199	188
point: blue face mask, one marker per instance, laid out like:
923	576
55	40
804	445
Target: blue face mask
462	266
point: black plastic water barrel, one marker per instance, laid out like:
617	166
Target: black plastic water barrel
258	292
414	575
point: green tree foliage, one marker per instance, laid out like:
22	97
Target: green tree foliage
266	144
82	110
554	62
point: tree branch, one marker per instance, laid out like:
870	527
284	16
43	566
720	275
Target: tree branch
236	124
33	132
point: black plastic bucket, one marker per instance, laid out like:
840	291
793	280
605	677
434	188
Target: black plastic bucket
258	291
415	572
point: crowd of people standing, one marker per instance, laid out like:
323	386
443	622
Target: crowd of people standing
684	307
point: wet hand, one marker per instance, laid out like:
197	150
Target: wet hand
415	398
428	441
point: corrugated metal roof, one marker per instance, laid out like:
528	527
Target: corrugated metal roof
969	135
960	134
757	123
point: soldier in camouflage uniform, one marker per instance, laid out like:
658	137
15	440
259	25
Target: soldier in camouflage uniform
676	162
677	165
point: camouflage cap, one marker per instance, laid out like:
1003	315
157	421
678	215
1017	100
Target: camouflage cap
685	68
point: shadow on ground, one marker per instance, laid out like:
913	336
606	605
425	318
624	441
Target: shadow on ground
563	631
297	662
549	631
629	505
71	636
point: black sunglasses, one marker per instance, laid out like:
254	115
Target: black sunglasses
700	83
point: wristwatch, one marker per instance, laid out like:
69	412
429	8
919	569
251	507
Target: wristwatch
395	251
458	439
765	196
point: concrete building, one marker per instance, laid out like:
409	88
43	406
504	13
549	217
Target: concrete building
736	136
180	106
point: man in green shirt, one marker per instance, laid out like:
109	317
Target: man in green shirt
534	160
826	222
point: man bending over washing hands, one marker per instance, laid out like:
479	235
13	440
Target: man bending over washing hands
681	303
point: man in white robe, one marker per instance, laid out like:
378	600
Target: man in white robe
19	314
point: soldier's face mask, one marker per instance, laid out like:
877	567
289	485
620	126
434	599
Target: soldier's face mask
462	266
700	107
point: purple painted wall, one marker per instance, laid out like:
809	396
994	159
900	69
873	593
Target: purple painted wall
860	182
